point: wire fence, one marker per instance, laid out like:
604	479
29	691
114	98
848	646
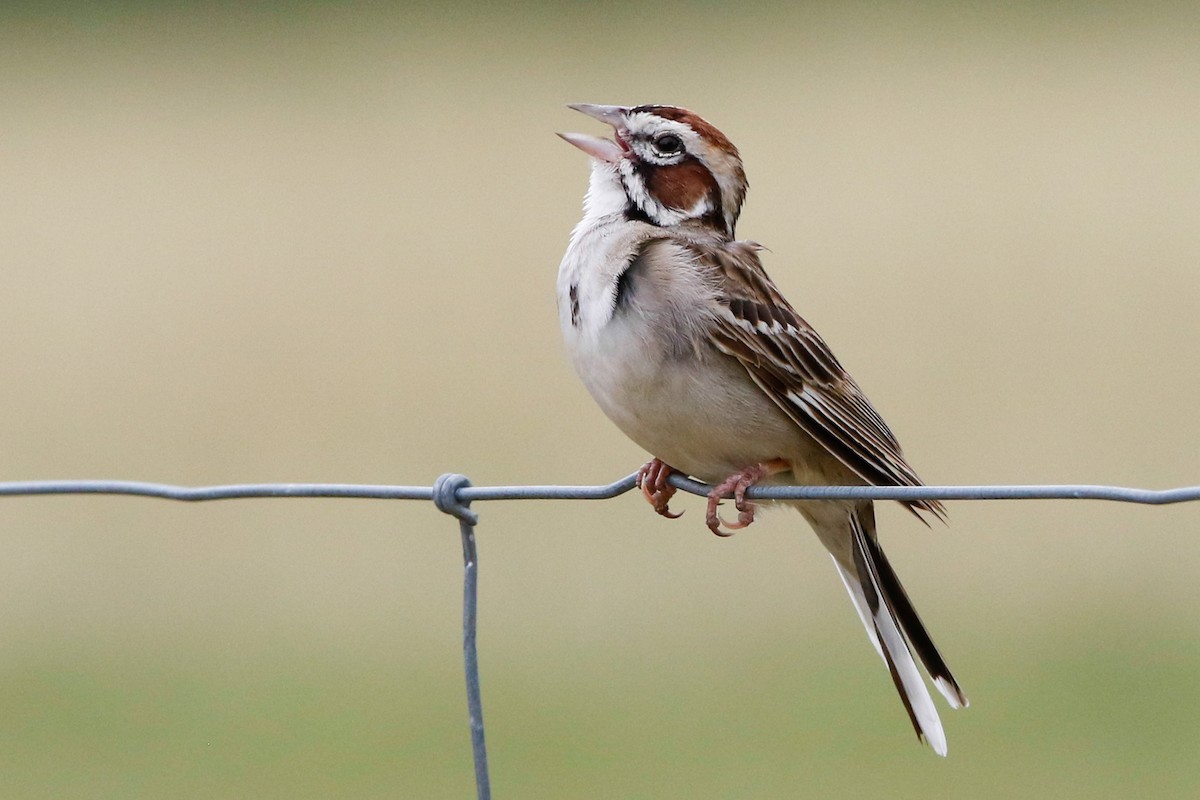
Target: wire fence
453	494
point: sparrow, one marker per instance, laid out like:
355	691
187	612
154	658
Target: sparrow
689	347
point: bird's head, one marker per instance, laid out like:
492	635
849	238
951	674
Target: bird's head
669	165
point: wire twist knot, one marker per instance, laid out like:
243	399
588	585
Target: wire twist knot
445	497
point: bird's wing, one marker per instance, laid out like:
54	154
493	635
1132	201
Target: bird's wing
791	363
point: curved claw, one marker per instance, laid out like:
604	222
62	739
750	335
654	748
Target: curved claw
666	512
652	480
739	483
715	523
660	500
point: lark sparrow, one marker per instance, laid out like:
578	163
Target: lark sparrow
692	351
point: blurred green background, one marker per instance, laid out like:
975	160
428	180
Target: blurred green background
317	242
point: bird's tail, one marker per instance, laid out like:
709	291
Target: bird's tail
896	631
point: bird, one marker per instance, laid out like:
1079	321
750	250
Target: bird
686	344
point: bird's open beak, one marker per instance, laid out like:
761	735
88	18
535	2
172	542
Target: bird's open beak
594	146
613	115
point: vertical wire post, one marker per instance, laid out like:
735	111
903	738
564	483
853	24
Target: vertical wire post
445	497
471	659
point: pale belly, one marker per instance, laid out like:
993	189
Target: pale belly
699	412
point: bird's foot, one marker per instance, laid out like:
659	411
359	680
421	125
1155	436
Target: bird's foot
652	479
738	483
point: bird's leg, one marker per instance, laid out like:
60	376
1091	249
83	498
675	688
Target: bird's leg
738	483
652	478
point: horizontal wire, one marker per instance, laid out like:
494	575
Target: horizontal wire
471	494
231	492
453	494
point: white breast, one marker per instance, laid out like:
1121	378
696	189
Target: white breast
651	368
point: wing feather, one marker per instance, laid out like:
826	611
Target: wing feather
793	365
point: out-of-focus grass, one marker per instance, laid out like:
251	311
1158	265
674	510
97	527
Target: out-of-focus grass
757	722
318	242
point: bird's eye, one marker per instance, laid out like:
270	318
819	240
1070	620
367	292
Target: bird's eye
668	144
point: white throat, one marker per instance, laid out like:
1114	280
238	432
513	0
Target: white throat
605	195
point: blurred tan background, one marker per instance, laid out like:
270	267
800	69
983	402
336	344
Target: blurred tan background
317	242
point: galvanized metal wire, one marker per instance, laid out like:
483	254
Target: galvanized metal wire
453	494
469	494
